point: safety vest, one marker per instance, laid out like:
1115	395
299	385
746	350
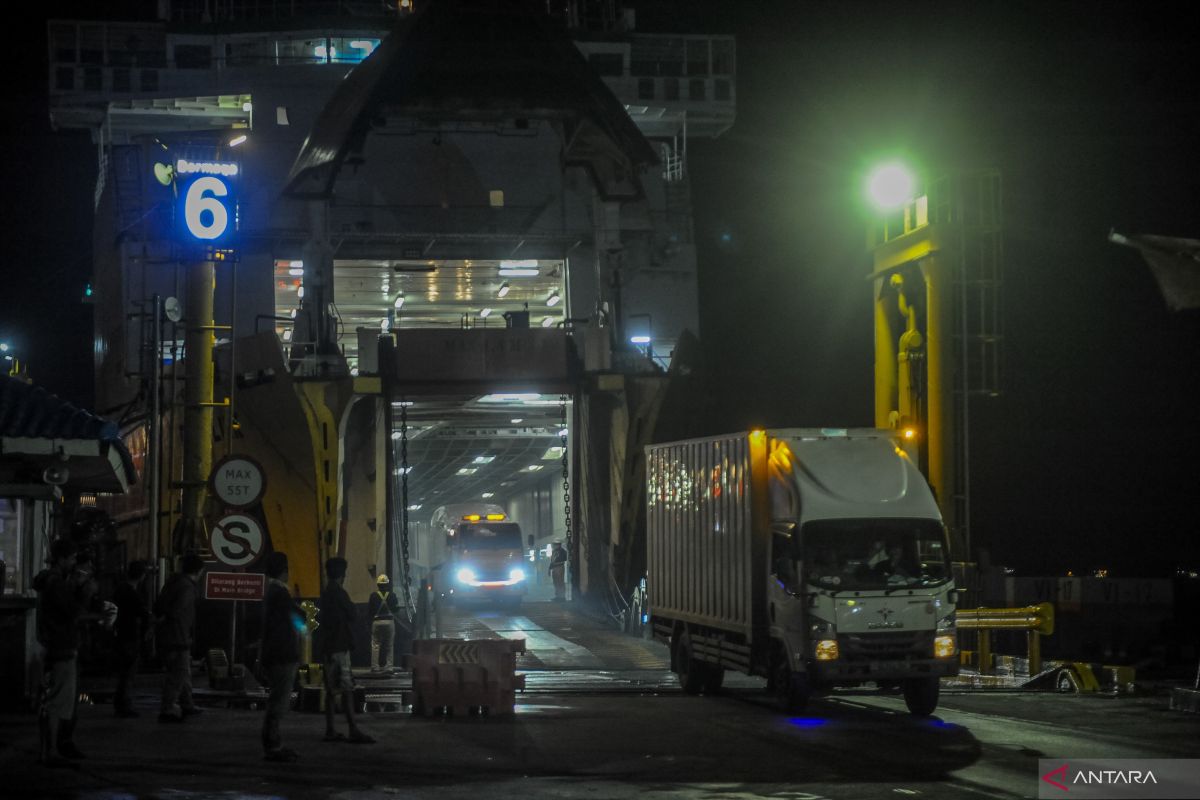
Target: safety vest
383	606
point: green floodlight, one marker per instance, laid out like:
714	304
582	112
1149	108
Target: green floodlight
890	186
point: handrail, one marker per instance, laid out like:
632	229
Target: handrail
1039	618
1037	621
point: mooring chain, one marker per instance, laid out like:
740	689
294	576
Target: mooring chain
407	583
566	471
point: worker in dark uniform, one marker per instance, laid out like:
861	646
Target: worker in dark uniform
383	610
558	571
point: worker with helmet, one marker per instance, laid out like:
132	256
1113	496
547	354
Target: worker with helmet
382	609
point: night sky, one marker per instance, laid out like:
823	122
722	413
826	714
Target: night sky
1087	459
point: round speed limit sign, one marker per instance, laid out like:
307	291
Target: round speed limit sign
237	540
238	481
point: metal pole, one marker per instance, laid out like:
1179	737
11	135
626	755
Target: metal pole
232	367
198	406
965	433
154	466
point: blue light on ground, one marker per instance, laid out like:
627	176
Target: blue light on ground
807	722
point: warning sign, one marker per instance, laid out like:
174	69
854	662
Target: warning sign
234	585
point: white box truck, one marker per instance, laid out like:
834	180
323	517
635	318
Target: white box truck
816	558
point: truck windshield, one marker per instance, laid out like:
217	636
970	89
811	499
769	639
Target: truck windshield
488	536
873	554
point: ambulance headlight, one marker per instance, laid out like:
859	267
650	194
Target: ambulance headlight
466	575
517	575
827	650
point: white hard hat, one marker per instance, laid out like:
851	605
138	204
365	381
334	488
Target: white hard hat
382	579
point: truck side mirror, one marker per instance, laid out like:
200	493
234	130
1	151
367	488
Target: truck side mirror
952	596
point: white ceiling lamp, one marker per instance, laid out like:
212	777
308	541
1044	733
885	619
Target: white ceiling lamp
524	268
484	313
486	495
385	324
399	303
467	471
508	397
415	507
503	290
553	299
547	322
638	328
235	141
395	436
533	468
483	459
517	420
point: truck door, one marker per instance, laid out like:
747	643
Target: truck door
785	601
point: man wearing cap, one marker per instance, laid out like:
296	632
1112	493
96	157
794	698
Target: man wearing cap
382	610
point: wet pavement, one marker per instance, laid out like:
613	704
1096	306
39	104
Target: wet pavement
605	720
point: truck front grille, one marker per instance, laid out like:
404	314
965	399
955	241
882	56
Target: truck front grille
886	645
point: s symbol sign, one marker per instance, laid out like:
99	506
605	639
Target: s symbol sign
237	540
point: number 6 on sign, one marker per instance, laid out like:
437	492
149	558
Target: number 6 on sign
205	216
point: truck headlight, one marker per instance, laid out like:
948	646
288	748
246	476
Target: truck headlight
517	575
944	646
466	575
827	650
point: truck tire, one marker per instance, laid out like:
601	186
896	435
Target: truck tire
714	679
921	695
791	689
692	673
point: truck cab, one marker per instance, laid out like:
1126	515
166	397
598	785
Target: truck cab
860	588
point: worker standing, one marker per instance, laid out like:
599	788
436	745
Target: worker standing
382	609
558	571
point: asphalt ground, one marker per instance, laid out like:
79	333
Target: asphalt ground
602	732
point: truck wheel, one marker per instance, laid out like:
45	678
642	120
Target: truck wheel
714	679
691	672
791	688
921	695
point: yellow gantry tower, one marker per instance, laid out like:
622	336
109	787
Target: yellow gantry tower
936	277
